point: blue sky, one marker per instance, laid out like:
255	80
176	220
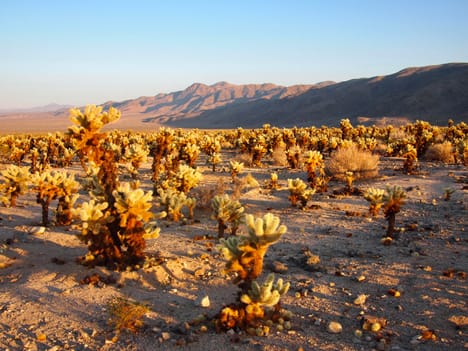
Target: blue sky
79	51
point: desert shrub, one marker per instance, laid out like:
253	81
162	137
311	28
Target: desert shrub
443	152
351	159
279	156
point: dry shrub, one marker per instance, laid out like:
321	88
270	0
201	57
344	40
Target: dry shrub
244	158
279	156
440	152
205	193
126	314
362	163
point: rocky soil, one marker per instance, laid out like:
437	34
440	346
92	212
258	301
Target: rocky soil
342	277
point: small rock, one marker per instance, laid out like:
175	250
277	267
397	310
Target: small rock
165	336
361	278
205	302
334	328
279	267
360	300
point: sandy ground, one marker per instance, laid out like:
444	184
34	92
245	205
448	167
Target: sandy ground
44	304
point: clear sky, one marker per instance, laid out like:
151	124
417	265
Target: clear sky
91	51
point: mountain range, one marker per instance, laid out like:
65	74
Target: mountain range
430	93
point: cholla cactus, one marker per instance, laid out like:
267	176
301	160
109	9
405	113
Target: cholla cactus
190	153
214	159
298	192
49	186
67	198
266	295
173	201
16	181
273	182
136	154
293	155
393	199
186	178
411	158
236	169
245	254
225	210
375	197
349	178
313	162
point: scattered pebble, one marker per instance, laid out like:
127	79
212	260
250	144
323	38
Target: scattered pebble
360	300
334	328
205	301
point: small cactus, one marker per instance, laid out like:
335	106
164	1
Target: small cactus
236	169
299	194
375	197
16	181
226	211
393	199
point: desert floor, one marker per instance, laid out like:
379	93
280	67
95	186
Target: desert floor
45	303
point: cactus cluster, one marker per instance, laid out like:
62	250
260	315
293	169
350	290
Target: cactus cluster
244	256
375	197
299	193
15	182
226	210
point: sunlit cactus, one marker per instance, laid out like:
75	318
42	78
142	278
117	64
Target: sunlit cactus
393	199
411	158
68	195
272	183
293	155
186	178
267	294
48	188
172	201
314	166
190	153
299	194
136	154
15	182
245	255
225	210
349	178
214	159
236	169
375	197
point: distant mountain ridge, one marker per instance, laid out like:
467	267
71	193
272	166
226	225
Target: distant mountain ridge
198	98
431	93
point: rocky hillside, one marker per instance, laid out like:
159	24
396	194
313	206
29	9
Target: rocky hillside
199	98
431	93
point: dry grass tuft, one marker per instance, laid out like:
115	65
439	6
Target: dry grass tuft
443	152
279	156
126	314
362	163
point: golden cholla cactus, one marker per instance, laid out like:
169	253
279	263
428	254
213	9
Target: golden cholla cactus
132	205
136	154
293	155
15	182
236	169
245	254
185	178
173	201
375	197
349	178
411	158
299	194
225	210
214	159
393	199
86	129
68	195
314	166
190	153
267	294
94	216
48	186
